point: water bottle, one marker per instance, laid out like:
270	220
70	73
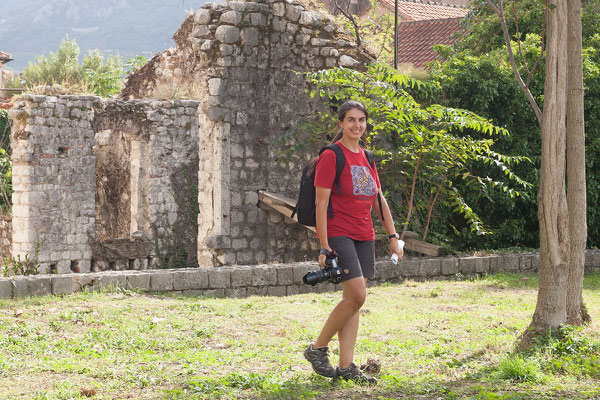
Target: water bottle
394	258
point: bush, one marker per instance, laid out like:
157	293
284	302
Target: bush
488	88
5	163
95	75
517	368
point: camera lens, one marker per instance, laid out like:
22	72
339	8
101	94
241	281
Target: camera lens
312	278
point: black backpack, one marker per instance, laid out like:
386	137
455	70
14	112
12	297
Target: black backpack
305	206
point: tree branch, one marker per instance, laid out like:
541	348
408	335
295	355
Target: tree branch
432	203
543	49
352	20
519	43
499	10
412	194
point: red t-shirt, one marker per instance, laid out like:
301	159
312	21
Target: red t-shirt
359	184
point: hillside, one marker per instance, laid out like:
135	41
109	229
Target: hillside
129	27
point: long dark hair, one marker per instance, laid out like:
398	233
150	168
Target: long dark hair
341	114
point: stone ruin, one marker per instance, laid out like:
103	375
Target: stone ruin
138	182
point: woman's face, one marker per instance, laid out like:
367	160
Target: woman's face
354	123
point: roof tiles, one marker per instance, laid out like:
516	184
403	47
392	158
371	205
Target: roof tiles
415	39
418	10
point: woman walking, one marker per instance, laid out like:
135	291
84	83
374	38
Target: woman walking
351	235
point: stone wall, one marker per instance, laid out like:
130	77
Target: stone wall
241	61
271	279
53	180
98	182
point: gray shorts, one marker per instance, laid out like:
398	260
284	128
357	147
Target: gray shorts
357	258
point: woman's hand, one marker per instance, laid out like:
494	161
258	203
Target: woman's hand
395	248
322	258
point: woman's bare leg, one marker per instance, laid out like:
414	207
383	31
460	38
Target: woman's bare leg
347	338
343	319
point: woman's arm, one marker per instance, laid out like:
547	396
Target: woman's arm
388	224
322	202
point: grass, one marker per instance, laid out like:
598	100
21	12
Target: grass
435	340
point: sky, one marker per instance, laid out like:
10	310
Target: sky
29	28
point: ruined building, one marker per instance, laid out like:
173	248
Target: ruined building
128	183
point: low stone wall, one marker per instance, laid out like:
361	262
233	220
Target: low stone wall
270	279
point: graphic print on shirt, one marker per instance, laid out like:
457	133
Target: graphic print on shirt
362	181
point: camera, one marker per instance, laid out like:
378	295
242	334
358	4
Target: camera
332	272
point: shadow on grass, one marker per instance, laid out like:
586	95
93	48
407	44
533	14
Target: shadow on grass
505	280
519	375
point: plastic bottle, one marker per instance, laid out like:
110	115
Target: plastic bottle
394	258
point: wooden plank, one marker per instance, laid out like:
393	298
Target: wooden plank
283	210
424	247
275	198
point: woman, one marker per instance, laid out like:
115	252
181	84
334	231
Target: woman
350	233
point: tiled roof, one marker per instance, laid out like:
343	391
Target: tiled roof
418	10
415	39
4	55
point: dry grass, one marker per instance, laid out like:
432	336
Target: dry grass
434	340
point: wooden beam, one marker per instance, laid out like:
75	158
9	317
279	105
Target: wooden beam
424	247
276	199
282	210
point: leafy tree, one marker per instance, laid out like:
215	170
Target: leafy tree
486	86
561	213
423	151
483	31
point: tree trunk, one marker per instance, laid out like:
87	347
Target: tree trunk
550	311
576	198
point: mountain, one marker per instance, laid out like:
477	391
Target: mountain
29	28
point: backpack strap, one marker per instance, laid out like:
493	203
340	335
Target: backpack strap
340	163
371	160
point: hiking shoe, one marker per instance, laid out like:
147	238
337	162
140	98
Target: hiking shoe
354	374
319	359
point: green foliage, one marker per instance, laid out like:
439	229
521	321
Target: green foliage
104	79
134	63
567	350
376	29
486	85
483	32
96	74
25	266
5	163
517	368
423	151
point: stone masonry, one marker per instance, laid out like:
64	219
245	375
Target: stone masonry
62	206
268	280
242	60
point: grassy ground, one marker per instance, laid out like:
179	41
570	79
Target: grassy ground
434	340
